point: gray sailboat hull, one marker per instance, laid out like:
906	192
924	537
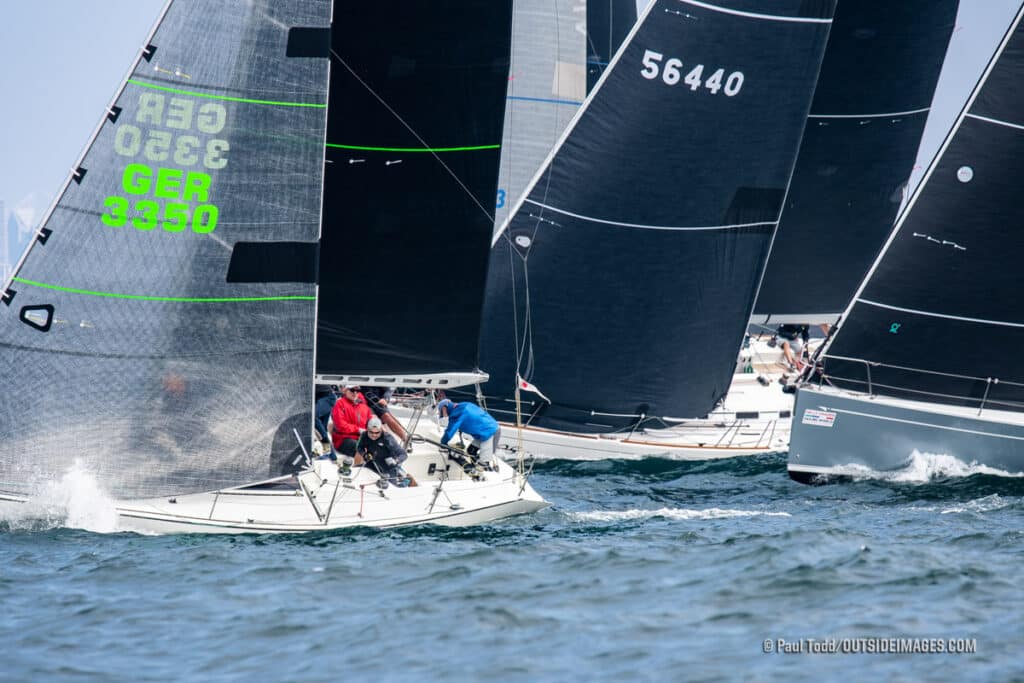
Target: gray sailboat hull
842	433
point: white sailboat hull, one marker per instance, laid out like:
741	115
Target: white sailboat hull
755	420
320	499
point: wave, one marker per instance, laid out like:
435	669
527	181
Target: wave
668	513
659	467
75	501
922	468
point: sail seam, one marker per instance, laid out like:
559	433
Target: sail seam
869	116
175	299
413	149
1001	323
547	100
756	15
650	227
996	121
226	98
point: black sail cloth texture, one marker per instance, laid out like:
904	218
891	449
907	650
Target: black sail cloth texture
623	283
410	184
940	319
877	82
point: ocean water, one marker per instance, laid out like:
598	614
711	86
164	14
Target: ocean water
648	570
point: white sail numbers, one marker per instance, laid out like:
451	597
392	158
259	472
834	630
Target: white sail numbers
671	73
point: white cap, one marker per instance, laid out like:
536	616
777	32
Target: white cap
374	423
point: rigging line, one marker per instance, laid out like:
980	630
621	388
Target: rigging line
174	299
996	121
983	321
409	128
226	98
910	369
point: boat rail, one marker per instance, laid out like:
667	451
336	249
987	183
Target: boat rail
964	399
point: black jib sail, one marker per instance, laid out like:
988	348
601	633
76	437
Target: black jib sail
877	81
938	318
411	177
150	331
622	285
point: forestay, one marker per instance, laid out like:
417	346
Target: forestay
877	81
938	319
150	332
622	285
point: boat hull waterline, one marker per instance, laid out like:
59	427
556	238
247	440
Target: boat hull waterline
319	499
837	433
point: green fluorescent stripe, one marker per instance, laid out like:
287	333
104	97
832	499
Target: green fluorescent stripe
414	149
185	299
224	97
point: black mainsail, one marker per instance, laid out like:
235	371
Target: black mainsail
623	282
410	183
937	319
152	330
876	86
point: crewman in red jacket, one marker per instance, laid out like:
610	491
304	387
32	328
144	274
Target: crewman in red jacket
350	415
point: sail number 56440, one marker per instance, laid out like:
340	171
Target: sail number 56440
671	73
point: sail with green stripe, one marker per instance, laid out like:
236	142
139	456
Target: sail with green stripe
151	332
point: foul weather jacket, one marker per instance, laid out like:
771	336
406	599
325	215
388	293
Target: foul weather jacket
349	419
470	419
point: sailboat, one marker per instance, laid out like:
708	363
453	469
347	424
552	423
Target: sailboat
666	186
161	330
926	357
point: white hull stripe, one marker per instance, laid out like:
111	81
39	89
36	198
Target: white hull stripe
650	227
996	121
1001	323
754	15
869	116
926	424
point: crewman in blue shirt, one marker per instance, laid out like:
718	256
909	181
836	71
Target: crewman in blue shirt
476	423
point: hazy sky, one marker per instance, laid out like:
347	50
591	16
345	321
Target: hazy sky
64	59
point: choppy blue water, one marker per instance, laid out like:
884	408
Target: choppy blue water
651	571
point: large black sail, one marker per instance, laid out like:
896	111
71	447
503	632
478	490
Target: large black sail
877	81
939	318
623	283
410	183
145	333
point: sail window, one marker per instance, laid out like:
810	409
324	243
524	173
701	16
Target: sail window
965	174
39	317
